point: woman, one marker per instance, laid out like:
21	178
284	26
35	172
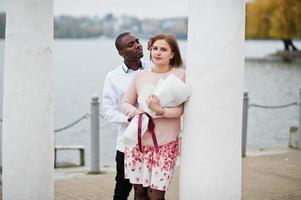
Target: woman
149	170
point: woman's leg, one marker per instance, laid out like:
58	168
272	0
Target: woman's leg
140	192
156	194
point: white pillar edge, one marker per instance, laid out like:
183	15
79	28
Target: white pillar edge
210	166
28	101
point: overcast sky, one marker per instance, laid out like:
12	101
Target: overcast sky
139	8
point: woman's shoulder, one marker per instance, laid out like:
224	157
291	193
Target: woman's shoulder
180	72
142	74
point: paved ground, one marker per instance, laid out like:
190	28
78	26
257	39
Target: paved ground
269	175
92	187
272	177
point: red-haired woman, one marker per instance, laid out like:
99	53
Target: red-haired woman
150	165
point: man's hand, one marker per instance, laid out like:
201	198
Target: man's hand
132	114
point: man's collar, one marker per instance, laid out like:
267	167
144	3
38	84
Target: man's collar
126	69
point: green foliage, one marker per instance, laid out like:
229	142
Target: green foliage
279	19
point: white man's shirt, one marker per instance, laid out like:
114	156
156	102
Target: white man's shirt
115	85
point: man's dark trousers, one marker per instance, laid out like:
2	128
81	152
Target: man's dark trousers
123	186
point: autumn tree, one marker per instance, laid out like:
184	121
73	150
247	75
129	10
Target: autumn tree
279	19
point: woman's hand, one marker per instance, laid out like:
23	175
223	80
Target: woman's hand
138	111
132	114
153	103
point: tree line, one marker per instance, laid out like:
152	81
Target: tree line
90	27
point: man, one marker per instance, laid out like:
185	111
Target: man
116	83
289	43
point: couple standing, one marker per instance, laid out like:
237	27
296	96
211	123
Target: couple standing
148	170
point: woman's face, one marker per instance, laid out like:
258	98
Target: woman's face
161	53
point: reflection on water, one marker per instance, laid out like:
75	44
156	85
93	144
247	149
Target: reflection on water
80	67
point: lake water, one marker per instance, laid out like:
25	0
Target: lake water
80	67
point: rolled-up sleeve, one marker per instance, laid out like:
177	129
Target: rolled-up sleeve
130	99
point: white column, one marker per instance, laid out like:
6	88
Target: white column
27	105
299	128
1	102
1	97
211	147
3	8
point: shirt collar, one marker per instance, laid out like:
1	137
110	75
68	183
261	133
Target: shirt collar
126	69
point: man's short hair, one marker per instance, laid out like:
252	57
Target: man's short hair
119	38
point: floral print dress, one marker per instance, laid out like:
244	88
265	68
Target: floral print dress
149	168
